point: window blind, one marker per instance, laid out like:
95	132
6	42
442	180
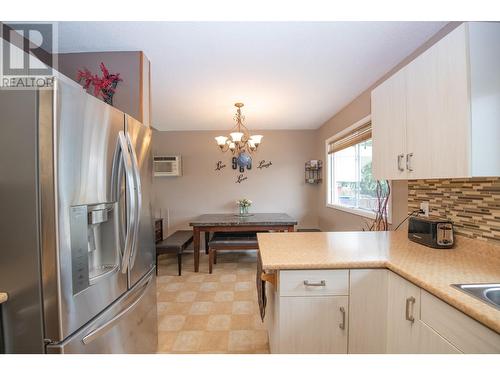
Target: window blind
358	135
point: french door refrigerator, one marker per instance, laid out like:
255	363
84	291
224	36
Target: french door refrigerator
77	246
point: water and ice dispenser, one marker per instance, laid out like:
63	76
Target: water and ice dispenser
95	249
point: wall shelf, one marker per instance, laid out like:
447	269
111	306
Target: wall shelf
312	171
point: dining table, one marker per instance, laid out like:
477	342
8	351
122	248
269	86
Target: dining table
230	222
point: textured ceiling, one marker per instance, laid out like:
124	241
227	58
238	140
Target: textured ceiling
290	75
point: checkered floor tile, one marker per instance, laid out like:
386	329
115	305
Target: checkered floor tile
203	313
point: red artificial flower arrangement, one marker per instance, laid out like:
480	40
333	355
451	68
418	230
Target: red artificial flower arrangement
104	86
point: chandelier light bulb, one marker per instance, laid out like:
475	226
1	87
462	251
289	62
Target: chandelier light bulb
221	140
236	136
232	145
256	139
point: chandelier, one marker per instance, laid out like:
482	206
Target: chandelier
239	142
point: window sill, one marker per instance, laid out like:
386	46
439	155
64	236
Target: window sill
356	211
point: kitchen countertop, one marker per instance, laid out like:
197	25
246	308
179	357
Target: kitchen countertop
470	261
3	297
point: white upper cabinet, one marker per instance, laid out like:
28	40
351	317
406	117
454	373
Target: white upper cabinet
439	117
437	121
389	139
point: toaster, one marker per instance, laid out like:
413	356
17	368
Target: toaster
432	232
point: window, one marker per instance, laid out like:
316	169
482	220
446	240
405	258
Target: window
351	186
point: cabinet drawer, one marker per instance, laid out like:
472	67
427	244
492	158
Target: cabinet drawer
462	331
314	283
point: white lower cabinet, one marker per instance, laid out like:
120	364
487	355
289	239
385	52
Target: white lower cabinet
465	333
309	312
323	323
418	322
431	342
366	311
403	312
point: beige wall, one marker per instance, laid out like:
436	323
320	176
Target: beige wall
334	220
201	189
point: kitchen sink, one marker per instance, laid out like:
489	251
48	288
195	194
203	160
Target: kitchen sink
489	293
493	295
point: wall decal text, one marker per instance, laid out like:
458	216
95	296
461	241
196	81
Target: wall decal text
220	165
241	178
264	164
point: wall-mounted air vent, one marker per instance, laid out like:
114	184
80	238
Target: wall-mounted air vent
167	166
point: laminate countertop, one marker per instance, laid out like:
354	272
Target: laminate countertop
470	261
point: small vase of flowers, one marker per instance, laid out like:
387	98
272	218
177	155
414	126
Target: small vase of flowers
243	205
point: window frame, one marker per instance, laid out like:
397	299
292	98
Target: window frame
329	176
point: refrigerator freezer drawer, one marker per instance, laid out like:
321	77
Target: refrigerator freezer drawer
128	326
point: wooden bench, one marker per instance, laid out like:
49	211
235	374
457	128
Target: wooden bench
230	241
176	243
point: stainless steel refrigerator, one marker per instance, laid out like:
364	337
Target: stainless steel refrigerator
76	246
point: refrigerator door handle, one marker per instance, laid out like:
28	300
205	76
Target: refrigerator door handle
101	330
138	195
130	187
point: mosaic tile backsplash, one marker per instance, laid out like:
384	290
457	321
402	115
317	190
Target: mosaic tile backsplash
472	204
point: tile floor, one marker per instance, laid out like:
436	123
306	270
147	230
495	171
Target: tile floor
203	313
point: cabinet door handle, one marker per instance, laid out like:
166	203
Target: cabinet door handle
410	302
342	325
400	159
408	161
312	283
